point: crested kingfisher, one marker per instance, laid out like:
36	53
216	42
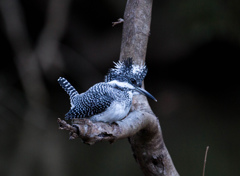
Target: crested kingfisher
111	100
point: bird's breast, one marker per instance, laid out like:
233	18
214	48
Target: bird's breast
115	112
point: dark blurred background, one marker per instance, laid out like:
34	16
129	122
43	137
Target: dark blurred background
192	58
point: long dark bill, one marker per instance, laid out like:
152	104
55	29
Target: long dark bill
146	93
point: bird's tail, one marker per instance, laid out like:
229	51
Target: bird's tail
67	87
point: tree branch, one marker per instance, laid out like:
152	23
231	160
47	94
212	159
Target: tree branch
136	29
92	132
141	126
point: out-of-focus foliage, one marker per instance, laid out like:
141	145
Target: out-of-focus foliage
192	58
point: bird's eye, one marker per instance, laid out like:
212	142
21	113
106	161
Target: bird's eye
133	81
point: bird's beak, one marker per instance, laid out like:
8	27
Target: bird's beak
144	92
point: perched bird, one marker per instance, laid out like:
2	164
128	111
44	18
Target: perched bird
111	100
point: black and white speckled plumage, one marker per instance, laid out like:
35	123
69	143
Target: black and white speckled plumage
111	100
127	71
97	99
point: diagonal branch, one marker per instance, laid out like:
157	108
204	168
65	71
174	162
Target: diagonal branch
92	132
141	126
136	30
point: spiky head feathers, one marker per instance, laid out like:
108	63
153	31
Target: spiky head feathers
127	71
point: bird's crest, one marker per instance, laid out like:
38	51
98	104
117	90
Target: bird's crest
127	71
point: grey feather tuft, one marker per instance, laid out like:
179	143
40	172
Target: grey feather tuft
127	71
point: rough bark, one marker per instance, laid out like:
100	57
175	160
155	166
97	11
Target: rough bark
147	144
141	126
136	30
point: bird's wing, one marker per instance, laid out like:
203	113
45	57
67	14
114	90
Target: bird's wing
94	101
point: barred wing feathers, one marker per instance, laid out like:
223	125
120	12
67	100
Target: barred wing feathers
94	101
